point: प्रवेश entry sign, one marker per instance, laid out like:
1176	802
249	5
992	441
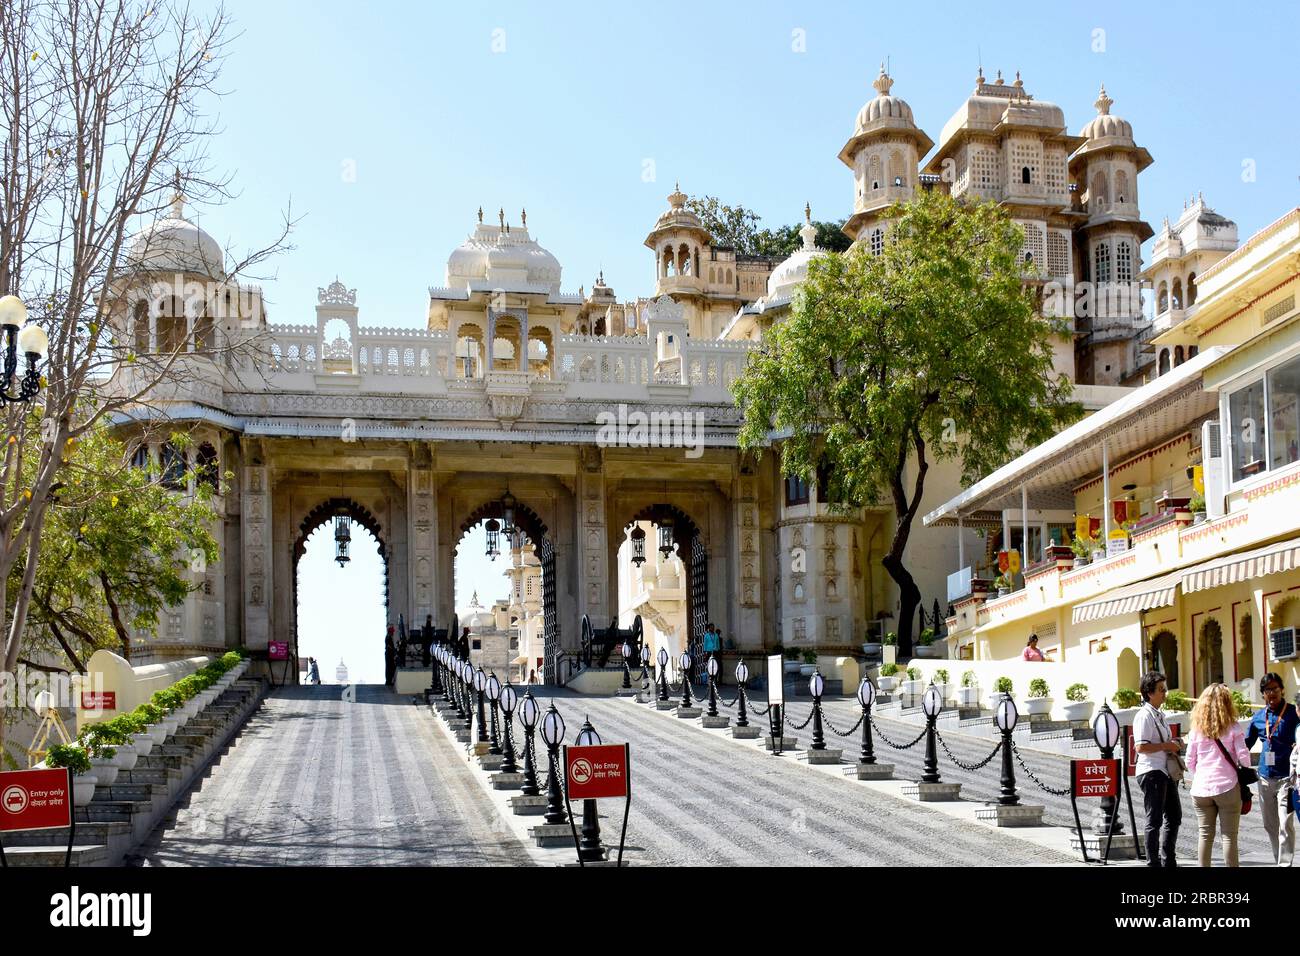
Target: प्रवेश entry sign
1095	778
35	800
595	772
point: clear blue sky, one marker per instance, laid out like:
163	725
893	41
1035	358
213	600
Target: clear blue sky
560	107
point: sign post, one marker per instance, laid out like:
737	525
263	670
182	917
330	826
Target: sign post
597	772
775	700
37	800
1094	778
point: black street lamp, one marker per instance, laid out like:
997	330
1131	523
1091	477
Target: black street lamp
742	677
552	735
1105	731
684	662
638	546
931	704
589	846
493	528
666	536
457	687
712	668
867	697
645	666
627	673
528	714
1005	718
342	536
32	342
816	685
508	525
480	685
508	696
493	689
663	673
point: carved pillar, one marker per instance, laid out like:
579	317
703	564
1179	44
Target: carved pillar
255	509
593	566
422	525
747	573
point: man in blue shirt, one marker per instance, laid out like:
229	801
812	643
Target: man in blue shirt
1275	725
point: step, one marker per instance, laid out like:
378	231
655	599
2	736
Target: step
142	776
139	792
98	833
112	811
83	854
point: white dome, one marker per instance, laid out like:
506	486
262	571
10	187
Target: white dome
1104	125
177	245
786	277
884	106
505	254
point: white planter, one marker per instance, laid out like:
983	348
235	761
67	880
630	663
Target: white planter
1079	710
912	691
1080	562
807	670
792	667
928	651
945	691
126	756
872	648
83	788
105	771
1035	706
1098	555
1125	715
168	726
968	696
144	742
887	685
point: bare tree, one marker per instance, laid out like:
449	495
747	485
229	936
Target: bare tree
106	108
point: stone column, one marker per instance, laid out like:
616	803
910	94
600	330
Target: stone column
747	573
593	566
422	536
255	509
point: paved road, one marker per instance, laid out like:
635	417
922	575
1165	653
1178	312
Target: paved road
312	779
700	800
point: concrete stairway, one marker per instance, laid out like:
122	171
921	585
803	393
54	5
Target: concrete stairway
121	816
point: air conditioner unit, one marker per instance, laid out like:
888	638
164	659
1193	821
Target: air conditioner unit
1213	472
1283	641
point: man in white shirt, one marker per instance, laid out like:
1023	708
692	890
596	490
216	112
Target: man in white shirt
1155	745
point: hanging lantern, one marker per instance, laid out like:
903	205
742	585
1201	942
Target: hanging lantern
508	514
493	538
638	546
342	538
666	537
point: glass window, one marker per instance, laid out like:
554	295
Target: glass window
173	464
796	491
1246	420
1284	412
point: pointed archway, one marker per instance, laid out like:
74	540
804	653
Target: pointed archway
688	541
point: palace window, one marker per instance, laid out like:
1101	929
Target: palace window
205	467
1123	262
877	241
173	467
140	457
796	491
1101	262
1058	254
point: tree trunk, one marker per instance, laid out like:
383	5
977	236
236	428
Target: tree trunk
909	600
115	613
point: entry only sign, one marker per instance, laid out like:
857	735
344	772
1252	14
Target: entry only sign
35	800
1096	778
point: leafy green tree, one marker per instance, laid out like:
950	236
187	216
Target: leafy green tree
118	548
737	227
932	350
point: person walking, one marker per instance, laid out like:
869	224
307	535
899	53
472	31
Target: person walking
1216	747
1275	726
313	671
1157	765
390	657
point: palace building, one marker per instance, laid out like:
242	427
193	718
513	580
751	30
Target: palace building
499	406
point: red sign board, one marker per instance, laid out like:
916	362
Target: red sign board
594	772
278	651
35	800
1130	768
106	700
1096	778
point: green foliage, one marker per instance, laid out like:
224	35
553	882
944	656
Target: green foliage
1196	503
1038	687
1178	702
1083	546
1241	706
914	673
149	712
792	653
1127	697
810	657
169	700
1002	685
891	639
888	670
71	756
941	675
1002	582
737	227
127	724
926	638
1076	693
968	679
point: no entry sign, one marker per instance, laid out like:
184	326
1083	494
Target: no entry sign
594	772
35	800
1096	778
105	700
277	651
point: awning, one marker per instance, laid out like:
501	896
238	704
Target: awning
1141	596
1283	556
521	659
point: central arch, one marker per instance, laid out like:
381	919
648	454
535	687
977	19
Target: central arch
691	549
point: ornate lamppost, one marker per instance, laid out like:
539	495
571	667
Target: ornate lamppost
866	698
480	686
32	342
663	673
552	735
684	662
528	714
1005	718
816	685
589	846
742	678
712	668
493	689
931	704
1105	731
508	697
627	673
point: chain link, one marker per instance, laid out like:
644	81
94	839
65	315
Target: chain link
1041	786
767	708
882	736
790	723
848	733
971	767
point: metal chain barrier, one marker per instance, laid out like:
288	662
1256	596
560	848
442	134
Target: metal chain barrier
970	767
750	708
881	735
847	733
793	726
1041	786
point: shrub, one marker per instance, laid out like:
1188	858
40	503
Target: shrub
888	670
968	679
891	638
914	673
68	755
128	724
1241	706
1076	693
1178	702
105	734
926	638
1002	685
149	713
941	676
169	700
810	657
1127	697
1038	687
792	653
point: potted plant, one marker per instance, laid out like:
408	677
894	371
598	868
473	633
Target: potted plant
1082	548
925	643
888	678
128	752
1177	702
1038	702
968	695
941	682
1244	710
97	740
1000	686
150	733
168	701
77	760
792	660
873	648
1127	703
1197	507
1079	705
1003	584
913	687
809	665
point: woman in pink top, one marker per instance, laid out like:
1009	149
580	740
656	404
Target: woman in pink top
1031	651
1215	749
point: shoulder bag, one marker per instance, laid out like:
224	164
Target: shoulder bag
1246	776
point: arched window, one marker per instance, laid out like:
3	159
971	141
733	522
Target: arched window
204	333
683	260
873	169
1097	194
897	168
877	241
140	318
730	279
1209	654
1101	262
1121	186
173	467
1191	289
1123	261
1176	297
205	467
171	326
1178	355
140	457
1024	175
1164	657
1162	299
1164	361
1192	351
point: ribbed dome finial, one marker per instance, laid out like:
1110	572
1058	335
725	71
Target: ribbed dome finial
883	82
1103	102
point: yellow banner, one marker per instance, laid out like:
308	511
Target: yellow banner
1198	478
1013	562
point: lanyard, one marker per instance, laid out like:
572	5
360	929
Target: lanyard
1268	731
